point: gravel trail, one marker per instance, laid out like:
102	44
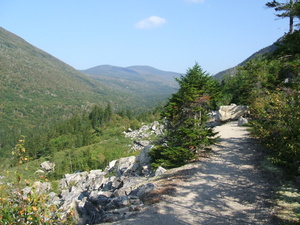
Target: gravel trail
225	188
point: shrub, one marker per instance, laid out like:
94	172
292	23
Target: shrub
18	207
170	157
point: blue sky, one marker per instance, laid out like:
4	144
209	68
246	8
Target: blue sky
167	34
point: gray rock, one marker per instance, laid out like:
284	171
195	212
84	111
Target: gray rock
108	184
48	166
75	179
95	180
99	200
111	166
160	170
125	166
53	199
242	121
41	188
39	171
142	143
117	203
144	157
231	112
26	191
143	190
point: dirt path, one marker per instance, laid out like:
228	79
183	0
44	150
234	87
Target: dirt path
226	188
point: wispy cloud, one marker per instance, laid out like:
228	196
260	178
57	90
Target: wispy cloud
195	1
150	22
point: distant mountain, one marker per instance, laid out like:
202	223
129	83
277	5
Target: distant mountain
134	73
232	71
146	84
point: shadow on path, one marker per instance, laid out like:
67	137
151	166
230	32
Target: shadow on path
226	188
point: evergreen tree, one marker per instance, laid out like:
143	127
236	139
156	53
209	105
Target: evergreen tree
108	113
96	116
290	10
186	114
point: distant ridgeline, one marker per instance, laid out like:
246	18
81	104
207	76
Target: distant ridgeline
232	71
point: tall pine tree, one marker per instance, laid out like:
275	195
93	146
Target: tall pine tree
290	10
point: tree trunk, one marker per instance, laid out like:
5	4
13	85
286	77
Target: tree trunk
292	5
291	25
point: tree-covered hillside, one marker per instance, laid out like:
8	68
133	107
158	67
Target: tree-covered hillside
37	89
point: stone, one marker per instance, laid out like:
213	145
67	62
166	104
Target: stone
54	199
39	171
143	190
41	188
142	143
97	197
95	180
242	121
26	191
118	202
48	166
144	157
108	184
75	178
126	166
99	200
111	166
160	170
231	112
154	126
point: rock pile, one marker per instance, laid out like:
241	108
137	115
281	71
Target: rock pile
110	195
142	136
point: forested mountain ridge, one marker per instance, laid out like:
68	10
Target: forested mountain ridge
145	84
134	73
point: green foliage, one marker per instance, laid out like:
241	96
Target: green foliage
32	209
270	86
108	143
78	131
289	46
16	207
186	115
277	124
170	157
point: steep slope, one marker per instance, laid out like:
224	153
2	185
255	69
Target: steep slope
36	88
231	71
